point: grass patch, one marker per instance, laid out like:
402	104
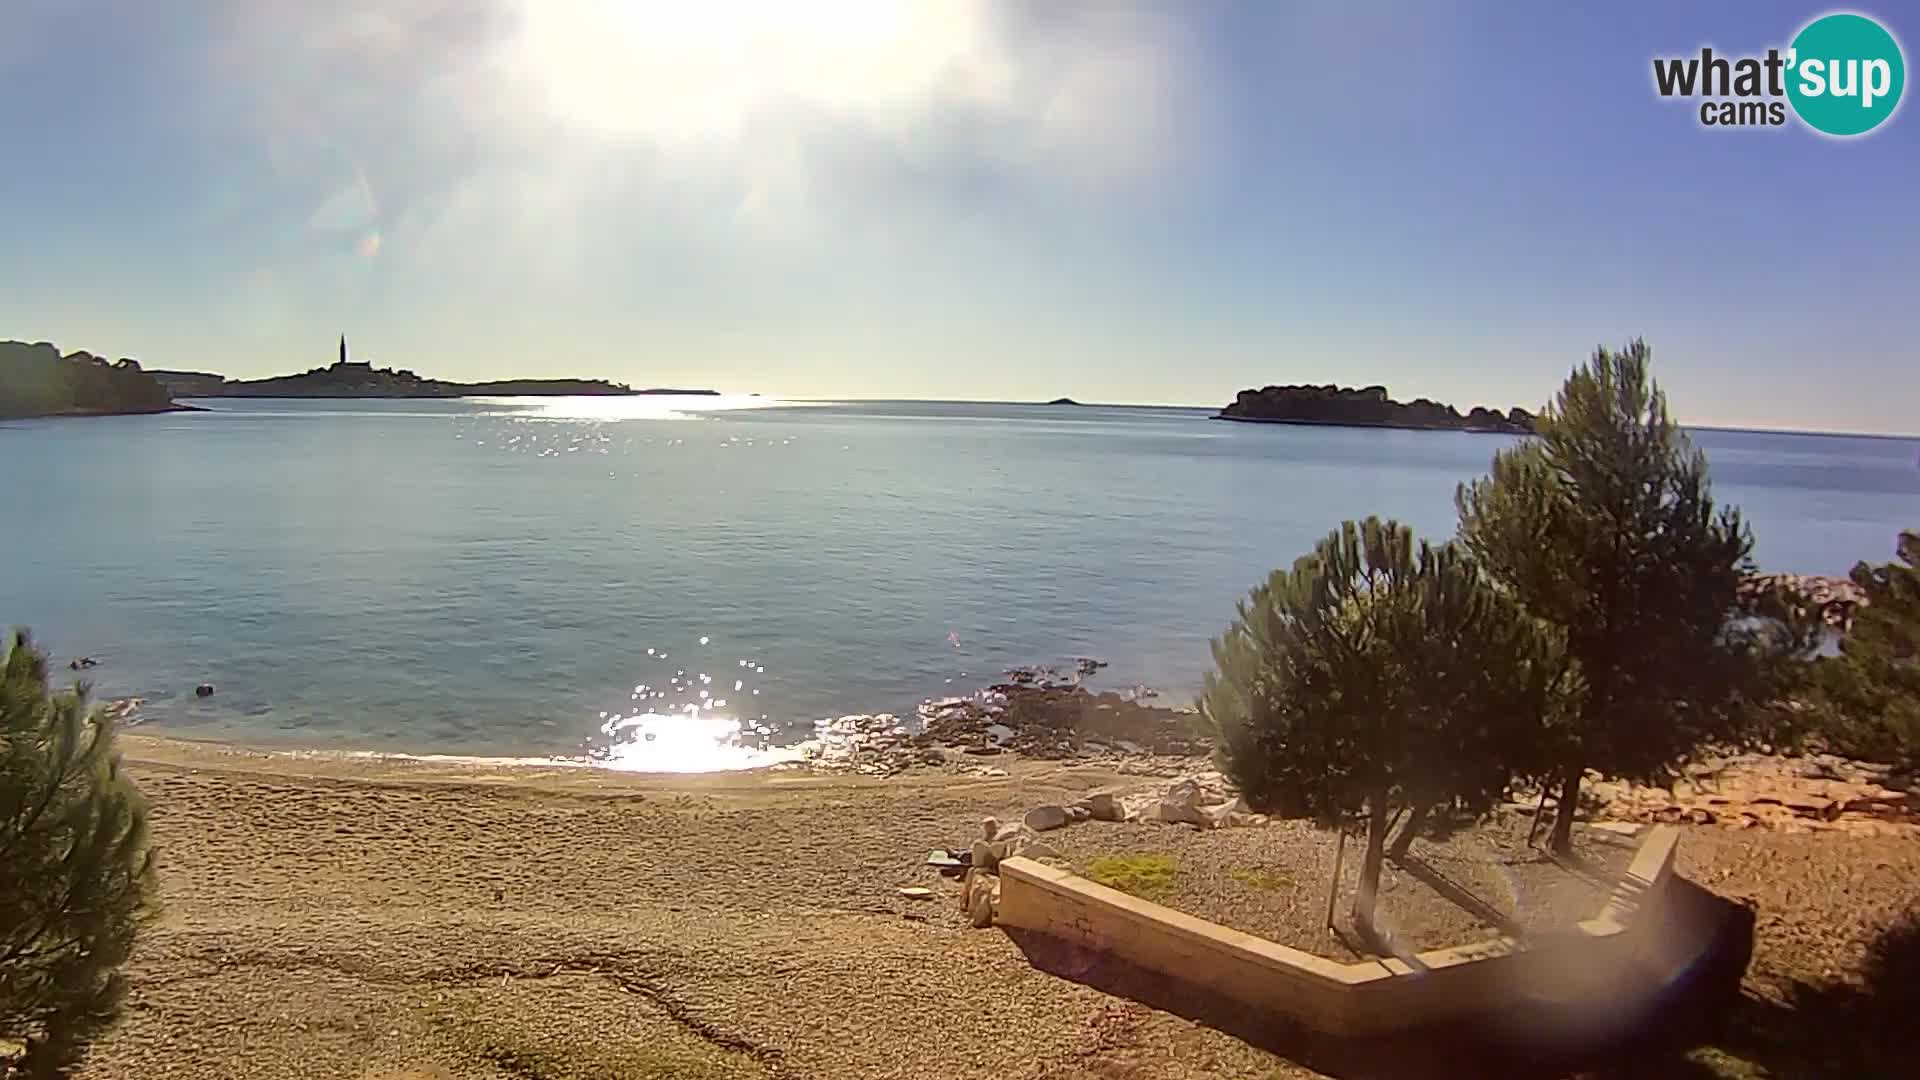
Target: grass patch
1145	876
1262	879
1718	1063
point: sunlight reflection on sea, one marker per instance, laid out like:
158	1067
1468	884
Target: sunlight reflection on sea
629	407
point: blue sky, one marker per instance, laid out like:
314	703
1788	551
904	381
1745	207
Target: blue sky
1143	203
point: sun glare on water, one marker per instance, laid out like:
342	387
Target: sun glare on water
625	407
688	741
686	723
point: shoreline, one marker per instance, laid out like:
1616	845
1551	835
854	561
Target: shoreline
1057	715
365	766
1060	721
1364	425
455	397
79	414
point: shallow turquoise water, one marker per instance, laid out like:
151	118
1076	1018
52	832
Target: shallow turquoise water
488	576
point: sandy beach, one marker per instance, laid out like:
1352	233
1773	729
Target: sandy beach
329	915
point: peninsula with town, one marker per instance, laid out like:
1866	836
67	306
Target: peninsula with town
37	380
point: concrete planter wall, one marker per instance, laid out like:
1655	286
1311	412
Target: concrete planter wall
1625	947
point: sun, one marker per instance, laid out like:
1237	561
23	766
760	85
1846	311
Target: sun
690	71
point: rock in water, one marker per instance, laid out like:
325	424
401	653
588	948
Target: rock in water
1042	818
205	689
122	708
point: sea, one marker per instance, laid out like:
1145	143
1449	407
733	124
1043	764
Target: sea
696	583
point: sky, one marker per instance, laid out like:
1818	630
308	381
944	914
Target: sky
1119	202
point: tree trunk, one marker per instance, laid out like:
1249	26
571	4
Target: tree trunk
1370	868
1563	813
1416	820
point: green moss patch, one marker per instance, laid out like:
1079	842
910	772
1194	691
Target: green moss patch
1146	876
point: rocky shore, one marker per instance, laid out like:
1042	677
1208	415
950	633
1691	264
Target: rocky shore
1832	599
1037	712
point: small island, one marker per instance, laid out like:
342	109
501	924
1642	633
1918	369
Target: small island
359	379
1063	401
36	380
1367	407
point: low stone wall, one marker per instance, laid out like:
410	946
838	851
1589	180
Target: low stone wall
1607	961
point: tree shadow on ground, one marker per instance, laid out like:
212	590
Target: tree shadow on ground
1842	1031
1661	1022
1459	895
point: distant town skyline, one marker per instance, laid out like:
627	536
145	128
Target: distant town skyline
1117	202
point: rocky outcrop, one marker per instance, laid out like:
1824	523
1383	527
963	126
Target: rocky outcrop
1367	407
1047	713
35	380
1812	793
1832	599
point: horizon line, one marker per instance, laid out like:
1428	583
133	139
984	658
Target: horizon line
1910	436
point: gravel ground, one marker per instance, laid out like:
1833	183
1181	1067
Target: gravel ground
341	917
1272	881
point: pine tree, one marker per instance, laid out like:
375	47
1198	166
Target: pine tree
1872	689
1371	677
1604	527
78	873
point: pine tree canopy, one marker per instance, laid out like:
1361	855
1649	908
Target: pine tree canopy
1376	670
1604	526
1873	686
76	873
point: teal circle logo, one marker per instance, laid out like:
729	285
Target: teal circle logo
1845	74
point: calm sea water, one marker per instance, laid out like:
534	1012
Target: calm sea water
519	576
